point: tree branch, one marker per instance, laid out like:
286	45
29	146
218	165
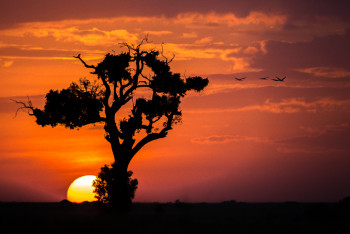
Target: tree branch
104	81
88	66
145	140
107	95
132	46
166	59
115	95
153	136
24	106
135	79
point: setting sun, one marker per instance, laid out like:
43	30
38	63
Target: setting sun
81	189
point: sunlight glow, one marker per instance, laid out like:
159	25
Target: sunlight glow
81	189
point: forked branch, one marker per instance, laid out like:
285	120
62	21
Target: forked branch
166	59
28	106
108	89
133	47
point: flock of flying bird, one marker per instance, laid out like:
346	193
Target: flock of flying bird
264	78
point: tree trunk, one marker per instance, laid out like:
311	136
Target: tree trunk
121	192
120	195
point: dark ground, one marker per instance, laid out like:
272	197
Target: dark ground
227	217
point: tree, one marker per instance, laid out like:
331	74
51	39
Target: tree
150	118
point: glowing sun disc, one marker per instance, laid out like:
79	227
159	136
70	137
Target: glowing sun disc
81	189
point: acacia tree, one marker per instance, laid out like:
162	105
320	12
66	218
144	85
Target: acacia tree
151	116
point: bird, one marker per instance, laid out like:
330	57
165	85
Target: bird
264	78
240	79
279	79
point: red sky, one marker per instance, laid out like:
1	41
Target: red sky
255	140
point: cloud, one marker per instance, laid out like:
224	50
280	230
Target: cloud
189	35
51	11
191	51
90	37
250	50
204	40
324	129
234	42
294	105
330	53
158	33
6	63
286	106
225	88
108	32
332	138
212	20
232	55
329	72
223	139
241	65
10	53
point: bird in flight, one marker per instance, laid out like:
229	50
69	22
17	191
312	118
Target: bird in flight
279	79
264	78
240	79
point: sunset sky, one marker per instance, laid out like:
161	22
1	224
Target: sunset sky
253	140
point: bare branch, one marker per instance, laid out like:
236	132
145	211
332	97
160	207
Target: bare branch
154	136
133	47
166	59
145	77
28	106
145	39
130	47
88	66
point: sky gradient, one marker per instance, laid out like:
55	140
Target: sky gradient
255	140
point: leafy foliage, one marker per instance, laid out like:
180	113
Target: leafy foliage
114	67
196	83
73	107
106	181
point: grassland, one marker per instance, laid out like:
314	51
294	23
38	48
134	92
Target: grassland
227	217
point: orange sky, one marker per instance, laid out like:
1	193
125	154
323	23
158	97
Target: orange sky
255	140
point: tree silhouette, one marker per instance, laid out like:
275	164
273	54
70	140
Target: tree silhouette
150	117
104	186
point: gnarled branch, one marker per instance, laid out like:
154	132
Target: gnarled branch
28	106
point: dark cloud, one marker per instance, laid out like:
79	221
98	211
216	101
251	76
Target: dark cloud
333	50
14	51
222	139
336	138
17	11
8	106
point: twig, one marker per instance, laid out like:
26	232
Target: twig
166	59
24	106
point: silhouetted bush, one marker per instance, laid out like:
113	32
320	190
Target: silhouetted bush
112	187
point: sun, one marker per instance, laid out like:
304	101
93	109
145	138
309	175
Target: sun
81	189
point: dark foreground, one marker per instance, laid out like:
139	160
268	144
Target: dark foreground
229	217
